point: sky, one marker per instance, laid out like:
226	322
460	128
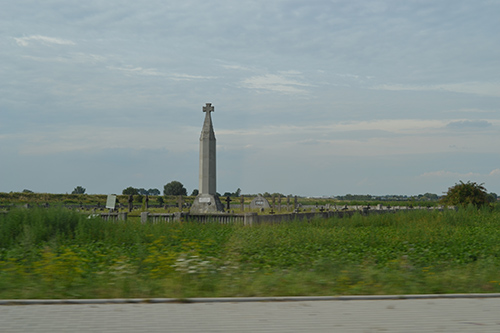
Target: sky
311	97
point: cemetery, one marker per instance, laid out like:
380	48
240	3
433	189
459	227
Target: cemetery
116	246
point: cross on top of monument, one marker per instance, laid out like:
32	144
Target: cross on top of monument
208	108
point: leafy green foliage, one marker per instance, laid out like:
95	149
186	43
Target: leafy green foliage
174	188
78	190
153	191
464	194
47	253
136	191
130	190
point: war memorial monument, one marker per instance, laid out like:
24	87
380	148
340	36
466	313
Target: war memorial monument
207	201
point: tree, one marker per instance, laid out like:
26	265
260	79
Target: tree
492	197
464	194
154	191
174	188
130	190
78	190
195	192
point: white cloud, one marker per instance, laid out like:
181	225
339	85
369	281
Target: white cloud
276	83
495	173
477	88
79	58
236	67
79	138
137	70
130	70
402	126
25	41
187	77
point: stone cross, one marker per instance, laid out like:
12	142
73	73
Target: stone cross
208	108
228	201
180	203
130	202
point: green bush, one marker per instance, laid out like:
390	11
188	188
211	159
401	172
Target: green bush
464	194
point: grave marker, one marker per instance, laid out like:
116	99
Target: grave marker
111	202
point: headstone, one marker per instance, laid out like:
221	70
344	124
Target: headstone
259	202
111	202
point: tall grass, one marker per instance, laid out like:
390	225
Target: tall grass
61	253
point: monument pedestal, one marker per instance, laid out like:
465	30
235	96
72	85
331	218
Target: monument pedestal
206	204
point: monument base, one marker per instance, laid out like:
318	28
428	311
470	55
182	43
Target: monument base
206	204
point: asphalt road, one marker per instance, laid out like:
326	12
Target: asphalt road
460	314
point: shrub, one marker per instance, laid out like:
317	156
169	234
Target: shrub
464	194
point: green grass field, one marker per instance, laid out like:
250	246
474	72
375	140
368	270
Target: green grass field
57	253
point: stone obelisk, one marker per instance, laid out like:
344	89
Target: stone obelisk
207	200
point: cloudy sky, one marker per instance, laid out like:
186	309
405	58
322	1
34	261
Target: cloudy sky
312	97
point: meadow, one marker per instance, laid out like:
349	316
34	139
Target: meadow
59	253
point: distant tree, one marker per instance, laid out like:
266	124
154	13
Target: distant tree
78	190
130	190
195	192
27	191
154	191
238	192
160	200
431	196
174	188
492	197
142	191
464	194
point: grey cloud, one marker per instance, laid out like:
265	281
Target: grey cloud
469	124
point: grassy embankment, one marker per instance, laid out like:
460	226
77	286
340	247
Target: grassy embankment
56	253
